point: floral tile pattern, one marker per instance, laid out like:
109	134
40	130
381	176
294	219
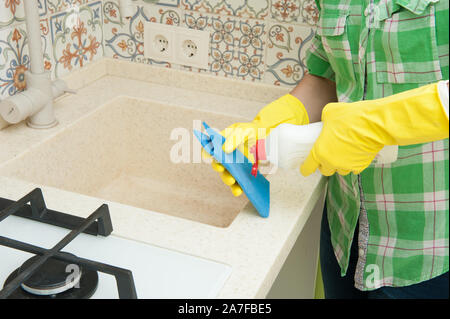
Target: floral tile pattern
125	38
285	10
256	40
310	13
14	60
236	46
251	49
286	49
223	55
55	6
241	45
239	8
77	37
47	45
42	5
294	11
14	56
11	11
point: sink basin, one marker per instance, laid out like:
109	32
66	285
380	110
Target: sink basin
121	152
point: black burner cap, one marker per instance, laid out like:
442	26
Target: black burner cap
55	279
54	276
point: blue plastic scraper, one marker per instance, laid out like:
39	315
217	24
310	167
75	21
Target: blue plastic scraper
257	188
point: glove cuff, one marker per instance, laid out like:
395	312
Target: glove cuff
443	95
298	108
286	109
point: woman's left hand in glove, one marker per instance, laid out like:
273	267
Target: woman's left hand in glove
353	133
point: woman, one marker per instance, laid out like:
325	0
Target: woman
376	71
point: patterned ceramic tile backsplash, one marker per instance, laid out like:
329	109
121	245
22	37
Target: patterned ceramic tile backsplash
71	33
252	40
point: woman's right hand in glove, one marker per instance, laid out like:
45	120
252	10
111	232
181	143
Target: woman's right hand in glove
287	109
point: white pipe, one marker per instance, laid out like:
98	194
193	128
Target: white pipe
34	36
44	116
36	102
126	9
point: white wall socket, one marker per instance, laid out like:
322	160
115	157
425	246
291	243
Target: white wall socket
175	44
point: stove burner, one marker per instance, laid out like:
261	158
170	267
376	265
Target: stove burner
48	276
55	279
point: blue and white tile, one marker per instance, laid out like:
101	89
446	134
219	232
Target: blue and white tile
14	60
294	11
236	45
223	34
251	44
124	38
287	11
255	9
46	39
77	37
286	50
56	6
310	13
12	11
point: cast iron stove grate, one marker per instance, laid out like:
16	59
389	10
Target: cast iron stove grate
44	275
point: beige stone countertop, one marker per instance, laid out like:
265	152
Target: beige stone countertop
254	247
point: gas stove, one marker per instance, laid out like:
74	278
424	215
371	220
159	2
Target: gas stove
49	254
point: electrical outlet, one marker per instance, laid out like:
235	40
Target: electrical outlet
192	47
176	44
158	42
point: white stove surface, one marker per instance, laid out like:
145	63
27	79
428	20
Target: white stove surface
157	272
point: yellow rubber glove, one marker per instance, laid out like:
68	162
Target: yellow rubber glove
353	133
286	109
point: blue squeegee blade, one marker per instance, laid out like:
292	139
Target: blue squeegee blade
205	141
256	188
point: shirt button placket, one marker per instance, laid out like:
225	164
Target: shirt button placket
364	38
368	13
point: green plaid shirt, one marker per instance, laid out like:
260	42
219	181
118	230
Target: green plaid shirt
373	49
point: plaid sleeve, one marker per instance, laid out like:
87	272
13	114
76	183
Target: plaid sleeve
316	58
